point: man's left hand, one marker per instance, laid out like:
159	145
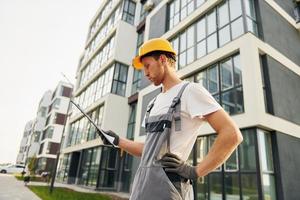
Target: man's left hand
172	163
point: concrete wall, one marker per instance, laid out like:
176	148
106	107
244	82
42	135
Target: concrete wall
287	156
288	6
158	24
278	32
284	91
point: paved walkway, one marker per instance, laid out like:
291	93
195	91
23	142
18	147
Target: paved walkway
12	189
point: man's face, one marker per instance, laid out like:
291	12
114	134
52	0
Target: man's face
153	69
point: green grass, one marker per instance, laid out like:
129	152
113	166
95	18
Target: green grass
32	178
65	194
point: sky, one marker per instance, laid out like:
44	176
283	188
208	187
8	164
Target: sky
39	39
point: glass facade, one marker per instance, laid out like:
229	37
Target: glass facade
219	26
137	74
102	56
108	167
82	130
180	9
102	16
113	80
89	167
238	177
224	81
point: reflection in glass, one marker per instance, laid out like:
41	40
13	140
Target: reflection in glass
232	163
226	75
202	148
252	26
232	186
201	49
213	80
265	149
215	186
212	43
239	100
249	186
250	8
211	22
237	28
228	102
190	55
237	70
202	188
247	151
269	187
235	9
223	17
201	29
224	35
201	78
182	60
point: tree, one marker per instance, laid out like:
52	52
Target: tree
32	164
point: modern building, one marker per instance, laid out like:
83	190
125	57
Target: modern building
21	157
245	52
42	136
52	127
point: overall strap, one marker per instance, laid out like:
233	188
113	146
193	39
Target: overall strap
175	108
149	108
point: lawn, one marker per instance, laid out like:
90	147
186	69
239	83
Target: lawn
65	194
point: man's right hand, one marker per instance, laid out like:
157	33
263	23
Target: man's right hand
111	139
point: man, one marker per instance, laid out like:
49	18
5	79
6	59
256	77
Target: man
171	122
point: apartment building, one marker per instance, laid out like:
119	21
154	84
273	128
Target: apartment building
54	119
21	157
245	52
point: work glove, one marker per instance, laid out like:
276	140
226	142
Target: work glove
172	163
109	137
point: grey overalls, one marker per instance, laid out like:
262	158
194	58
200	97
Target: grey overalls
151	181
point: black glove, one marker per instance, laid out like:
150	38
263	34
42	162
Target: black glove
109	137
172	163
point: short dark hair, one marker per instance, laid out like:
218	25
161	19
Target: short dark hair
156	54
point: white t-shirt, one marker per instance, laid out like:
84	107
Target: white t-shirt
196	102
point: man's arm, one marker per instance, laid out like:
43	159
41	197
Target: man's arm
134	148
228	138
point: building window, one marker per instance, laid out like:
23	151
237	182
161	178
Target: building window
120	79
43	111
108	167
129	11
219	26
41	148
101	57
84	167
36	136
131	122
137	74
144	12
239	175
48	133
65	91
59	119
224	81
82	130
266	163
180	9
56	103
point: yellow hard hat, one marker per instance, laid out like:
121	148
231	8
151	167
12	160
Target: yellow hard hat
156	44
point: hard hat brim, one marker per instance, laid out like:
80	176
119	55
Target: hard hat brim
136	62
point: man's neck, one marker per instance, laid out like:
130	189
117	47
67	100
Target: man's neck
169	82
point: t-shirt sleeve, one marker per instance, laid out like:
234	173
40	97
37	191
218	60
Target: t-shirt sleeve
200	102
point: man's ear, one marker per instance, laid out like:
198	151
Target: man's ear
163	58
